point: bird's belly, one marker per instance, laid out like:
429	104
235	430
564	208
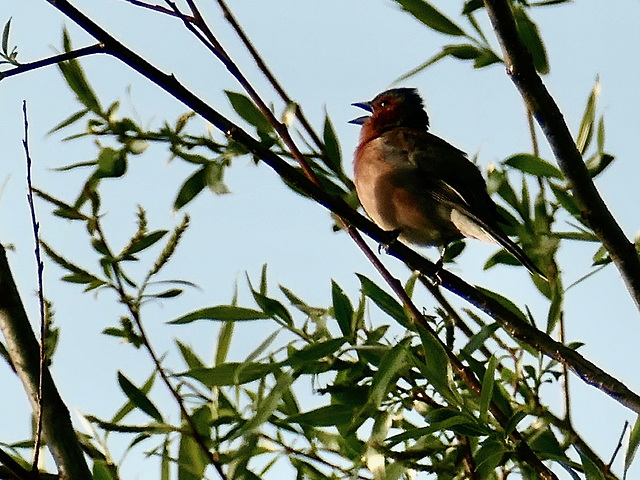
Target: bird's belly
396	200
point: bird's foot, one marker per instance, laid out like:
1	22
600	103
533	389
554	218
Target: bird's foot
388	239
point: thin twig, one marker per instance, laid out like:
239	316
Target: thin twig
618	446
267	73
40	267
45	62
155	8
135	314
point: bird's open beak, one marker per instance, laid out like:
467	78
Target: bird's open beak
365	106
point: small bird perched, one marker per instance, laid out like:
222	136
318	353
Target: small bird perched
418	185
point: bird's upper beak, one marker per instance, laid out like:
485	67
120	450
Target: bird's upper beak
365	106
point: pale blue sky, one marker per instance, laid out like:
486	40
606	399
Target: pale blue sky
327	55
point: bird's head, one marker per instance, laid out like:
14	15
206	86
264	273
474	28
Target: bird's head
398	107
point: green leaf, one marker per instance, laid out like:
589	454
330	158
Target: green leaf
530	36
432	18
129	406
449	422
192	461
384	301
248	111
567	201
632	447
393	361
268	405
75	78
598	162
513	422
111	163
435	367
477	340
527	163
591	470
326	416
224	342
585	133
5	37
314	352
68	121
342	309
233	373
143	242
488	457
333	157
100	471
223	313
139	398
273	308
190	188
189	356
505	302
487	388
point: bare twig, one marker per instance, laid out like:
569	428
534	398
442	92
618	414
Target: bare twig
40	267
45	62
618	446
592	207
267	73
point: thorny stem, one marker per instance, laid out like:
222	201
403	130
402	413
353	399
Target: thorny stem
40	266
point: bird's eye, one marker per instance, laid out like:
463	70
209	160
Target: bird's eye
383	104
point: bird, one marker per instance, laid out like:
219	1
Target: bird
417	185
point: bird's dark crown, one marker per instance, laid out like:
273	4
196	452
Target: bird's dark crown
398	107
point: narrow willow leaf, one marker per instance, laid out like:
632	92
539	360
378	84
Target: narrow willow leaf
527	163
223	313
144	242
248	111
487	388
139	398
190	188
432	18
314	352
585	133
591	470
393	361
268	405
333	157
530	36
342	309
435	367
384	301
326	416
632	447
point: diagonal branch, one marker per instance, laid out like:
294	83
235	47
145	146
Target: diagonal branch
540	102
45	62
514	325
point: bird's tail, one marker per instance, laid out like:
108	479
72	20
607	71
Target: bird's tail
506	243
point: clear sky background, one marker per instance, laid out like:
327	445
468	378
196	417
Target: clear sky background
327	55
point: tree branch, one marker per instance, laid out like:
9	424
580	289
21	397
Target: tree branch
538	100
24	351
45	62
514	325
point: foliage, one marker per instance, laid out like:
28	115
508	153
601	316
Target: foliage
390	405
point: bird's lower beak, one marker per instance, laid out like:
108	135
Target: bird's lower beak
365	106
